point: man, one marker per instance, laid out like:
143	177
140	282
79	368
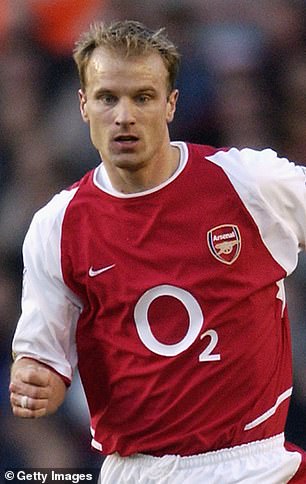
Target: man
160	274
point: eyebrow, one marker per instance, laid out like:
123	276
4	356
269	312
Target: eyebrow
102	90
141	90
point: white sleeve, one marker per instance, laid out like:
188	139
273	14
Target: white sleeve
273	191
50	311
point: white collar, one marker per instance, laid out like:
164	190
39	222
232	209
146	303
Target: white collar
102	181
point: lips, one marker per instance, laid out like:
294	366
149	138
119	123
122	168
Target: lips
125	138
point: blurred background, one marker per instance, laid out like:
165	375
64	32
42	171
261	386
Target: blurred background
242	82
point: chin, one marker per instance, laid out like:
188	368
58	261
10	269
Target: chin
127	159
129	164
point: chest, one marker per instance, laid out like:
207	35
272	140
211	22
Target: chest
194	235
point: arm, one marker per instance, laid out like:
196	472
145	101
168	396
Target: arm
44	388
44	340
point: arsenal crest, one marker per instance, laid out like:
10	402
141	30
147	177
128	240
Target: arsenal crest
224	242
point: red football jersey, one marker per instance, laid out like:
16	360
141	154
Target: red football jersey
171	301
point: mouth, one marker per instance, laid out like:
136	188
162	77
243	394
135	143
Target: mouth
126	138
126	143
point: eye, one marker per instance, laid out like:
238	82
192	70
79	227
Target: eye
143	98
107	99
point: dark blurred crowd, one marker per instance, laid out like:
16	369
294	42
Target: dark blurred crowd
242	82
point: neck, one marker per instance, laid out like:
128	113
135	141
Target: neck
127	180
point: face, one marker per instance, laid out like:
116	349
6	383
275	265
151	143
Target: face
127	106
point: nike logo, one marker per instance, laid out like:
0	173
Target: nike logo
95	272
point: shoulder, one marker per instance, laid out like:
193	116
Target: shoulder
203	151
54	210
263	175
52	214
260	166
250	165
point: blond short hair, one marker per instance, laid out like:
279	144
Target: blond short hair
130	37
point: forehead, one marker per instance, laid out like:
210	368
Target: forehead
111	67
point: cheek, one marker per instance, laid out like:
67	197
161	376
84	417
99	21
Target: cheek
98	131
99	121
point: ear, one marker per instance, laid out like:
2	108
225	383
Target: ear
171	104
83	105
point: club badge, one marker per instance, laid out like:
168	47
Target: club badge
224	242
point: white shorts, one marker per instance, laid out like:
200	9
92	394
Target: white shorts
262	462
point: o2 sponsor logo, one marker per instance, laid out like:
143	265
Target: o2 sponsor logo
195	324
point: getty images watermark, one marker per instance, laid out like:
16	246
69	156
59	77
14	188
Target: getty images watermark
49	476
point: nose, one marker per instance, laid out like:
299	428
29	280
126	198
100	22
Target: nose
125	112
